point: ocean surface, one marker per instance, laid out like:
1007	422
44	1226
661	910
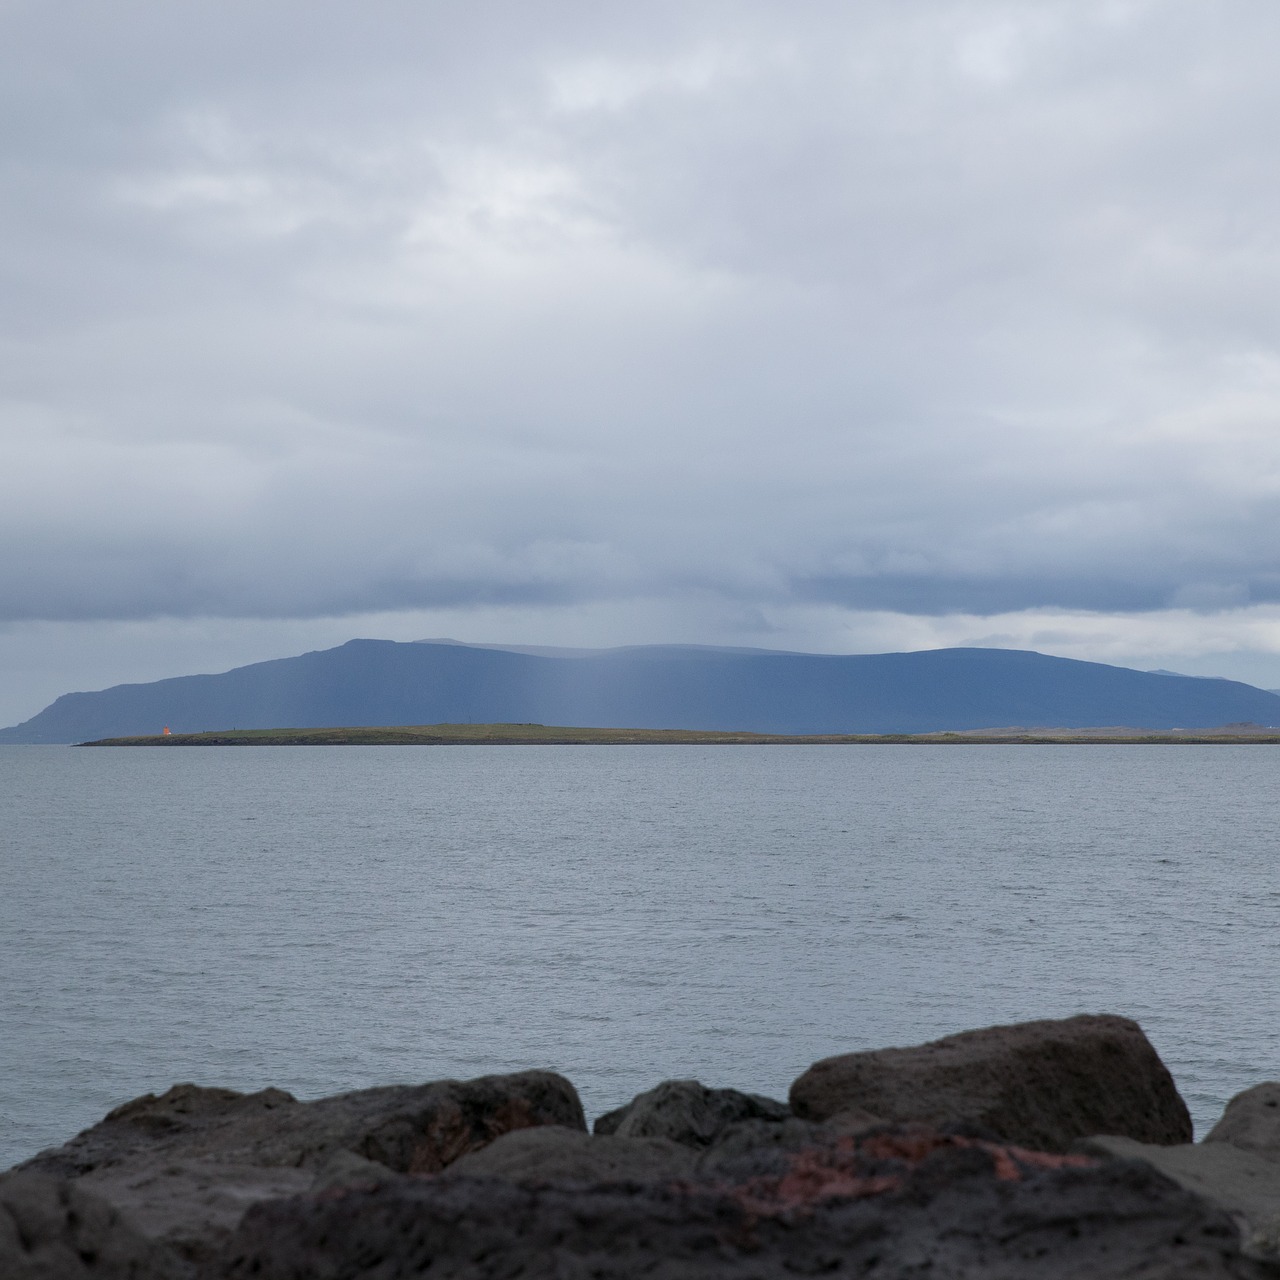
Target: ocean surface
323	919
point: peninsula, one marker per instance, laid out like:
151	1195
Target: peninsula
441	735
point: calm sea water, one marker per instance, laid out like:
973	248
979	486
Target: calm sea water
324	919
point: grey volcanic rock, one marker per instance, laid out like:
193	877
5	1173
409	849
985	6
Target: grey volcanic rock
498	1177
1039	1084
687	1112
552	1154
1243	1183
187	1117
887	1204
189	1205
764	1148
53	1230
346	1169
409	1128
186	1165
1252	1121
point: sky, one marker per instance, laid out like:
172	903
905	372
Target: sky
844	328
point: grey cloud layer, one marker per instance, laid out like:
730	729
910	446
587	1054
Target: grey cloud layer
942	307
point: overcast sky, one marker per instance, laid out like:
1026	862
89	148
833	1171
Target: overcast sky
810	325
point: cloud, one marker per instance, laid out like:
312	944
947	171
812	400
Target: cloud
950	309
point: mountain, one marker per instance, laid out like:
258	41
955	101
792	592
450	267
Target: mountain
382	682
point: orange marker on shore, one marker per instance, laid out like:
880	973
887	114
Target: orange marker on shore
166	731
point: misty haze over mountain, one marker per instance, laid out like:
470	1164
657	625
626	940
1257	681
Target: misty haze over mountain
379	682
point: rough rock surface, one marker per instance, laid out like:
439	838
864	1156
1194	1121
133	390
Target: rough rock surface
1252	1121
186	1165
754	1148
346	1169
1039	1084
748	1148
1243	1183
409	1128
552	1154
972	1175
54	1230
688	1112
893	1203
189	1205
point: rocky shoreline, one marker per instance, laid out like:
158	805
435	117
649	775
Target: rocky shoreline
1044	1149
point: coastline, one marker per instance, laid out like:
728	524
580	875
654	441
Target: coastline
560	735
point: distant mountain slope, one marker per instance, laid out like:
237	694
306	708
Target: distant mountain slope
381	682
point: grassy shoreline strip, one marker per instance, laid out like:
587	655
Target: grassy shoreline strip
559	735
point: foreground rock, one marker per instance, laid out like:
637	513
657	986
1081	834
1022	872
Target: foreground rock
1252	1121
535	1157
1039	1084
185	1166
687	1112
1241	1182
1236	1167
970	1176
894	1203
53	1230
551	1154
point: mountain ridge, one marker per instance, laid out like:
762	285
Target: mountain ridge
385	682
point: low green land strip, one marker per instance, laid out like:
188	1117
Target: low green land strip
558	735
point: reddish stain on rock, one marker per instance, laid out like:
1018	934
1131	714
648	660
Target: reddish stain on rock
854	1167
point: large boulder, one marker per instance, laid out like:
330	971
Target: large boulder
687	1112
186	1165
889	1203
409	1128
51	1229
1252	1121
1039	1084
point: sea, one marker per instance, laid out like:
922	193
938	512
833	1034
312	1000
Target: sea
331	918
